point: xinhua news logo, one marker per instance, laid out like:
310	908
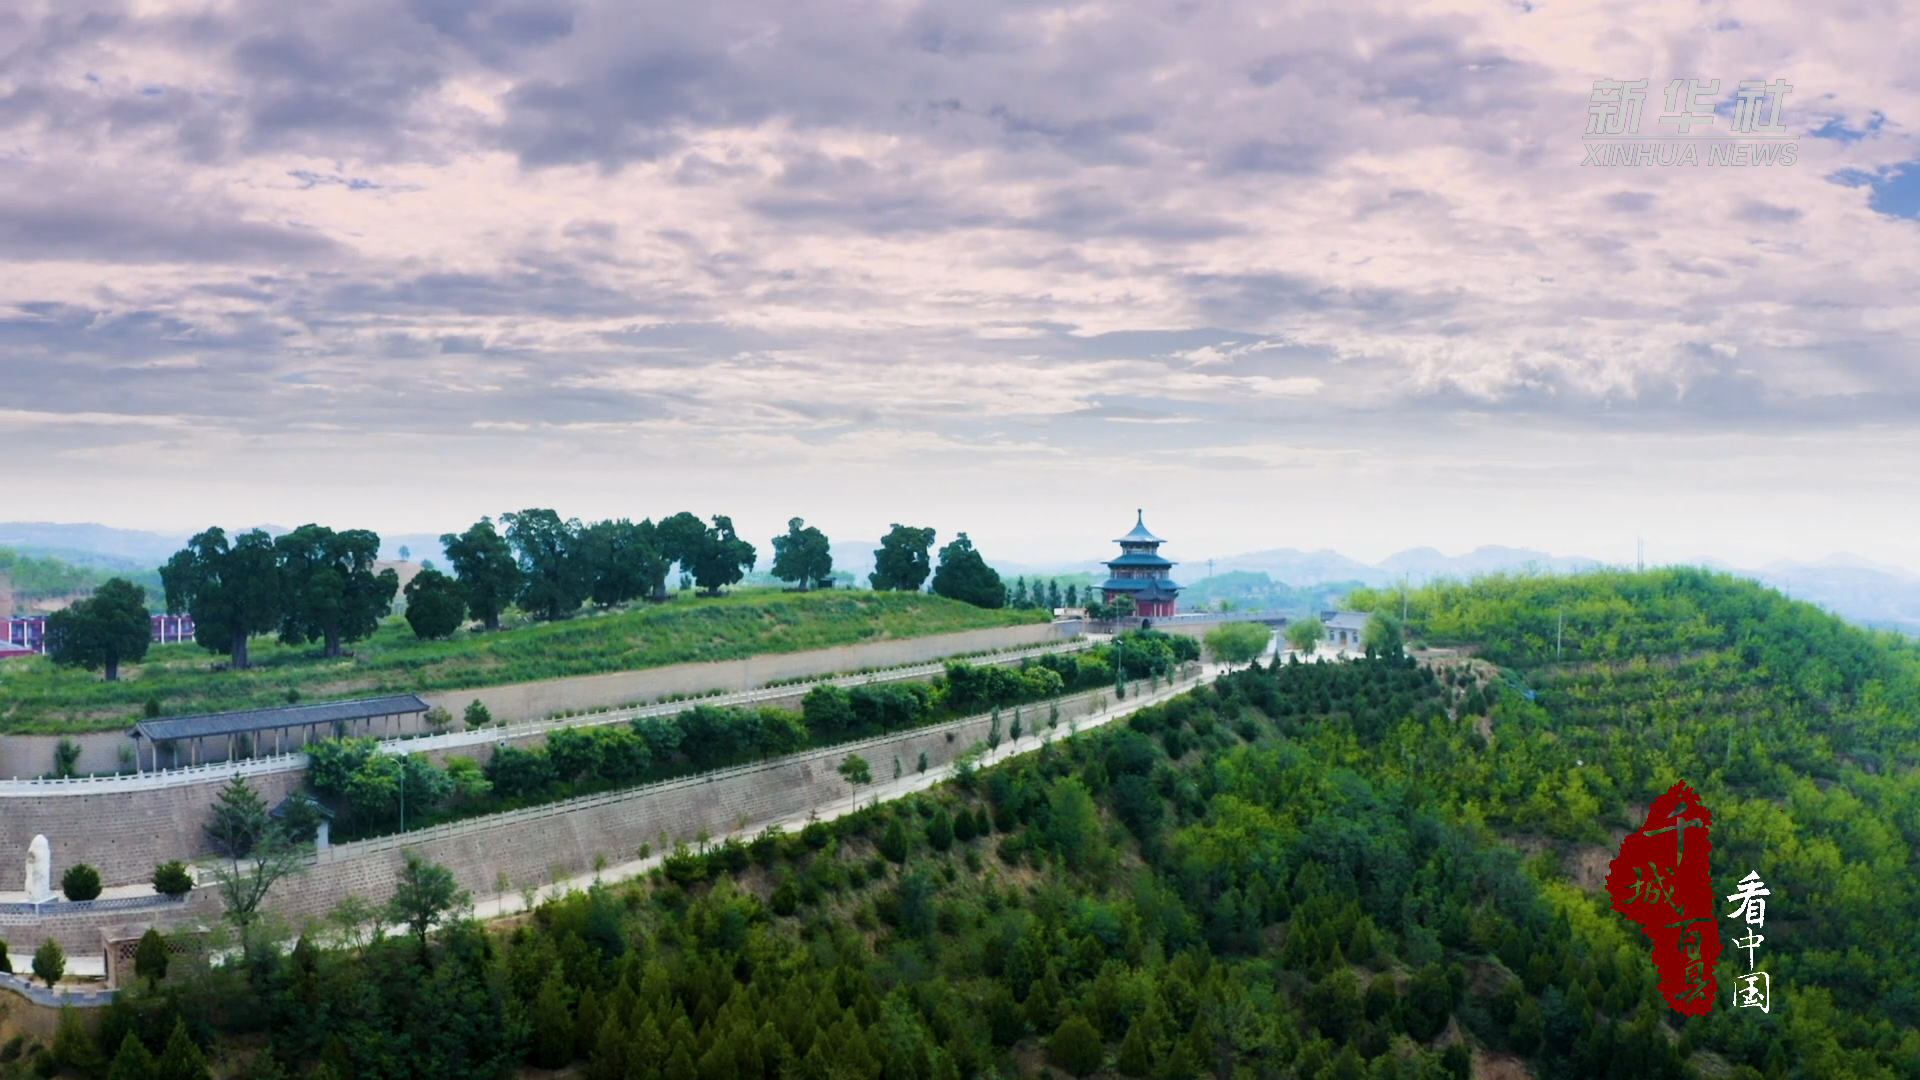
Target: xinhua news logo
1754	134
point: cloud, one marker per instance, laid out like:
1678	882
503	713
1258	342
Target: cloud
1093	233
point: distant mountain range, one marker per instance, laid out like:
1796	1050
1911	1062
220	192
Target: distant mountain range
1856	589
133	549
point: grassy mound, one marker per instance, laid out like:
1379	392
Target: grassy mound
36	696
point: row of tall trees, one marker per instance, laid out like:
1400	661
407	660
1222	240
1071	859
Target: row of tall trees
312	584
1043	594
548	566
315	584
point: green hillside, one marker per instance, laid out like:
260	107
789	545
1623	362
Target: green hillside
36	696
1311	871
36	579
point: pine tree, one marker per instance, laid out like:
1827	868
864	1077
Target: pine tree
940	830
588	1020
334	1059
182	1059
1136	1050
150	957
73	1047
552	1026
1075	1046
133	1062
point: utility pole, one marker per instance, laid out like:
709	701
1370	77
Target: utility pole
1640	556
1559	628
403	794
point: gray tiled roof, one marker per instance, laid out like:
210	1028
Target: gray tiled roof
282	716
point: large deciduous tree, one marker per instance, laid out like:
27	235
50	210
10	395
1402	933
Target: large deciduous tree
329	591
1382	636
424	896
902	562
1238	643
488	572
436	604
1305	635
963	575
232	590
553	578
714	555
623	561
110	627
803	555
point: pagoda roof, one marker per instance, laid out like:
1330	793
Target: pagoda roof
1139	535
1150	588
1139	558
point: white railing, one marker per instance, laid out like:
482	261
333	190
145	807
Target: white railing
152	778
454	740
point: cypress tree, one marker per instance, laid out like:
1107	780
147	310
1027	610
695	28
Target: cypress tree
940	830
586	1025
150	957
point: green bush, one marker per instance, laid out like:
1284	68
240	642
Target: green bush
171	878
80	882
1076	1046
50	962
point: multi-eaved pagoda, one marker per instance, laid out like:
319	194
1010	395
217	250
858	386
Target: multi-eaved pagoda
1140	573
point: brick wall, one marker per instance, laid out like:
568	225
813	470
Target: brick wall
122	834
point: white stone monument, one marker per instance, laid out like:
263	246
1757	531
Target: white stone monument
39	871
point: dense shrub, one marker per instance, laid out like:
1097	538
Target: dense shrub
80	882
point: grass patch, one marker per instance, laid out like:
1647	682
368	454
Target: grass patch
35	696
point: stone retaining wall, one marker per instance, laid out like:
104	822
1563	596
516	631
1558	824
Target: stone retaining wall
560	840
122	834
541	844
107	751
130	824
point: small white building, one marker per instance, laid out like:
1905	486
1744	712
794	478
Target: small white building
1345	628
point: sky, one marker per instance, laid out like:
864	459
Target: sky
1283	275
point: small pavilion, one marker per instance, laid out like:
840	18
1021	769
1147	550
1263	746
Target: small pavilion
319	720
1140	573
